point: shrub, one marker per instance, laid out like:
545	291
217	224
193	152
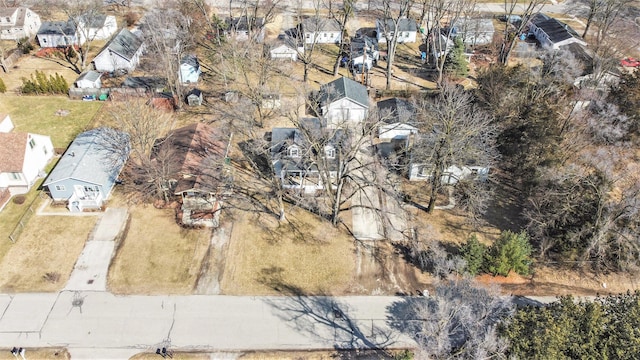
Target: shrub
473	252
19	199
25	45
510	252
3	87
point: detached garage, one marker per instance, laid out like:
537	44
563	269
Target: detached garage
284	51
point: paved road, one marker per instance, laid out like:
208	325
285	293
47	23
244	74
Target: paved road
99	320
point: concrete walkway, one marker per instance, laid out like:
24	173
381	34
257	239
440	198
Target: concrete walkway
92	266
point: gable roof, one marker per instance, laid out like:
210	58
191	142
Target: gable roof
396	110
92	157
556	30
190	60
12	151
345	88
125	44
89	75
200	149
152	83
67	28
93	21
242	23
404	24
314	24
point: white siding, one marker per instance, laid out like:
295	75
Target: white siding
6	125
36	157
110	61
322	37
344	112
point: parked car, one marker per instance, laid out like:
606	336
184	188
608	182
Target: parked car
630	62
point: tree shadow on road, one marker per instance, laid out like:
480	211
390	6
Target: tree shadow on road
331	321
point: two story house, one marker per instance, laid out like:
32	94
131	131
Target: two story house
121	53
17	23
295	153
343	102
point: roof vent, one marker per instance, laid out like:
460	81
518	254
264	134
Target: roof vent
72	154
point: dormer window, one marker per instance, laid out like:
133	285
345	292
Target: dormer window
294	151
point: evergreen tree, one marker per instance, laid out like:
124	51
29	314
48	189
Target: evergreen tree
473	252
456	62
510	252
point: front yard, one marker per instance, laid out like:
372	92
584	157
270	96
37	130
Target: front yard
157	256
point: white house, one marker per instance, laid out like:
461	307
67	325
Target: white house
122	52
53	34
364	53
96	27
552	33
407	30
189	72
285	51
89	80
6	125
17	23
475	31
452	175
343	102
23	157
396	116
244	28
317	30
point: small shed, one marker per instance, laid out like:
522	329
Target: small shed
89	80
189	69
194	97
165	101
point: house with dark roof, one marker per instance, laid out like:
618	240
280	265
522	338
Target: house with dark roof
407	30
194	97
189	72
295	153
121	53
343	102
54	34
397	120
203	178
17	23
317	30
244	28
363	52
23	157
553	33
89	80
86	173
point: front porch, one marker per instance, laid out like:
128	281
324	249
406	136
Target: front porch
87	202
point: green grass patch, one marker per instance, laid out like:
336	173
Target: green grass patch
38	114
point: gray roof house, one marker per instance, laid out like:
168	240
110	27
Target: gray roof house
343	102
316	30
407	30
553	33
475	31
121	53
87	172
53	34
293	156
17	23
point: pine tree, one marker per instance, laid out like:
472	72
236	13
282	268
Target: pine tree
511	252
456	62
473	252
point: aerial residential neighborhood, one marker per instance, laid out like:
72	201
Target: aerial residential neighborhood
198	179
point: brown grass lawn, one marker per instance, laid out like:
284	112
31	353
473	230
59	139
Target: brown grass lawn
48	244
157	256
176	356
318	355
306	253
38	353
37	114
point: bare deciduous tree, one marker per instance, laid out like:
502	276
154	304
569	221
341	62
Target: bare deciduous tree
454	132
392	12
511	32
459	320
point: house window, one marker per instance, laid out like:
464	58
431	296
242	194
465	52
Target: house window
60	188
16	176
330	153
32	143
294	152
90	189
44	149
8	20
324	35
44	40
